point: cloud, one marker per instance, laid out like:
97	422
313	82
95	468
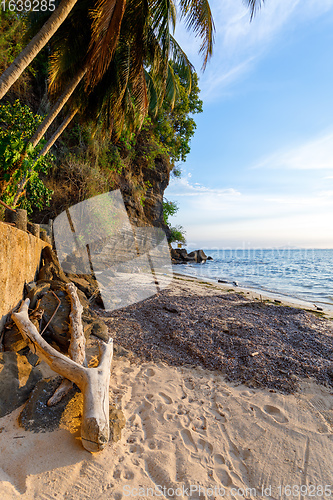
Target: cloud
239	43
316	154
226	216
182	187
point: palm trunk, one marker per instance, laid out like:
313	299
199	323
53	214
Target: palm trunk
35	46
57	133
57	107
43	127
48	145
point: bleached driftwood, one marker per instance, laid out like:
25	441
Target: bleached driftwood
77	346
93	382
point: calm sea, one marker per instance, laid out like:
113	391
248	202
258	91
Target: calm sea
305	274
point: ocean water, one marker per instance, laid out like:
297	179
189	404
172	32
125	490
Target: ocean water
304	274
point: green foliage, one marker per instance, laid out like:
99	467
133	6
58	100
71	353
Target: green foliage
148	145
175	126
177	235
177	172
12	28
17	125
170	208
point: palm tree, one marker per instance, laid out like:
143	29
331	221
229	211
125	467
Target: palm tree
125	92
189	10
116	10
147	22
13	72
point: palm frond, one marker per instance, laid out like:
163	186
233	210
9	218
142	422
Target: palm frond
107	19
198	18
171	91
179	57
254	5
152	94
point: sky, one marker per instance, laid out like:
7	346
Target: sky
260	171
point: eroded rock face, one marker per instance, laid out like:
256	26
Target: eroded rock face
18	377
19	259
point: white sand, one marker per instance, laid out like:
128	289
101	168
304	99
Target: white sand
185	426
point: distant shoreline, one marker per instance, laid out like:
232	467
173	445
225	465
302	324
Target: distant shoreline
264	295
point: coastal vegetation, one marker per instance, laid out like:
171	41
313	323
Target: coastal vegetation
133	104
109	89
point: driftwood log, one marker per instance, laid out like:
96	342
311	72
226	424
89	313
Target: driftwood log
77	346
93	382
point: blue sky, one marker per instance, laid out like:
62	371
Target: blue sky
260	171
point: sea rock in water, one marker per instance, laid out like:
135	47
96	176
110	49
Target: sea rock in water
197	256
180	256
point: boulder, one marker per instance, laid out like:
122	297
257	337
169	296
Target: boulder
18	377
81	282
37	292
13	340
59	326
197	256
180	256
36	416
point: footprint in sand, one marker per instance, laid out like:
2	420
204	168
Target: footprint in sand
188	440
117	474
145	407
152	444
247	394
203	445
137	449
276	414
128	370
224	476
218	459
189	384
127	474
165	398
158	473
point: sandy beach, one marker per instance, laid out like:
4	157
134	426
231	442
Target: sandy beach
225	396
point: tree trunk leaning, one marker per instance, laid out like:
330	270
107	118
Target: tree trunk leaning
57	107
13	72
93	382
57	133
46	148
